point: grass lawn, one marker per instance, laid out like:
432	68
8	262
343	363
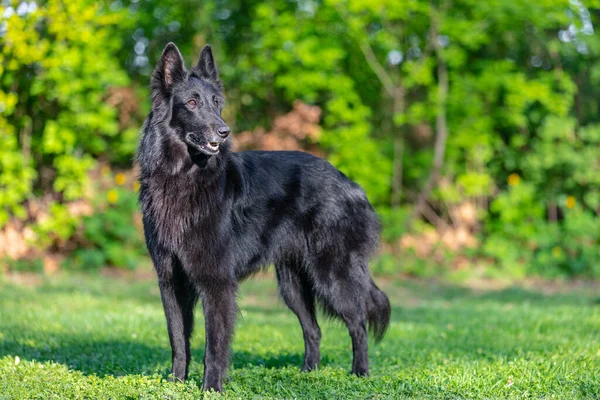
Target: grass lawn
98	337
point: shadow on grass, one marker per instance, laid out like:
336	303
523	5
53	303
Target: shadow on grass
119	358
93	357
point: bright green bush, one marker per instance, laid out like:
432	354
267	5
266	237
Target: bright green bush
57	64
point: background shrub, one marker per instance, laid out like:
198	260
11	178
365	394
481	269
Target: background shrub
473	126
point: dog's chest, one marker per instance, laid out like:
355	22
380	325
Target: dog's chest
175	208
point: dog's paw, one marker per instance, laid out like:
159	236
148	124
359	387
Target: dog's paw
309	366
360	371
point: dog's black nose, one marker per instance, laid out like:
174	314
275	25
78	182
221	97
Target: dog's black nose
223	131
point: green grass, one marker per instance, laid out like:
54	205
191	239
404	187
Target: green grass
96	337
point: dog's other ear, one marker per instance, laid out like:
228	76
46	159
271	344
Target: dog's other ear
169	70
206	67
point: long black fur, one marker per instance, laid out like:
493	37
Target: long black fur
213	217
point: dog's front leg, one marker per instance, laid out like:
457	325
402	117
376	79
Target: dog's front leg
218	300
178	298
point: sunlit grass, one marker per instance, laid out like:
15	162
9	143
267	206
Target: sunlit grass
95	337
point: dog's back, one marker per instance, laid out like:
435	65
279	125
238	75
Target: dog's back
293	203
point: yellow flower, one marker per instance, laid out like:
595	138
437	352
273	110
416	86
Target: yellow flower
120	178
570	202
556	252
112	196
514	179
136	186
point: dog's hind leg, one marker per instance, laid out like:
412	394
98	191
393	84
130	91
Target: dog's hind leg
297	292
343	295
357	327
179	298
352	311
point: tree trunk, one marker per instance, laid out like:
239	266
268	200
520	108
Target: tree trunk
552	212
441	131
397	171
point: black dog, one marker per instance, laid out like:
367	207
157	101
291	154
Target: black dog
212	217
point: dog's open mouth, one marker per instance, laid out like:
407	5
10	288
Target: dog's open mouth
208	148
212	146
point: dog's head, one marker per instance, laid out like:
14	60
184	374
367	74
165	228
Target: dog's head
190	102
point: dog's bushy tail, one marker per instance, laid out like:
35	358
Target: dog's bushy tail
378	311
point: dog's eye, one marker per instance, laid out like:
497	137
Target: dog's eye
216	101
192	103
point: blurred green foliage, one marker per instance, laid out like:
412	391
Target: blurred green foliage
109	236
521	110
57	63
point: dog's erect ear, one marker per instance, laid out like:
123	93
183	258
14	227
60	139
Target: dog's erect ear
206	67
169	70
